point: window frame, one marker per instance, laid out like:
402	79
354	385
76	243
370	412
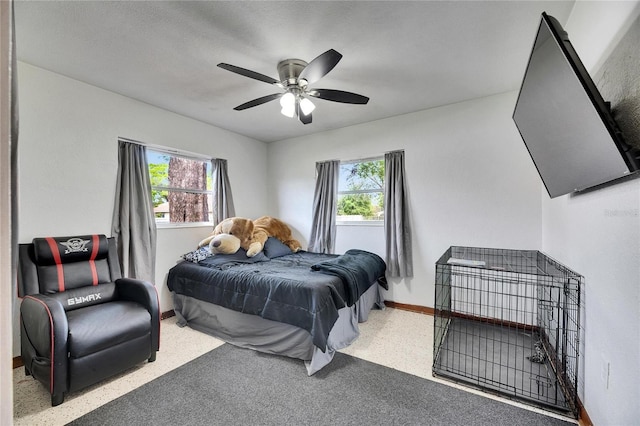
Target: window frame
366	222
188	156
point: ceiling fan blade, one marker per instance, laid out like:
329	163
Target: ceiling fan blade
304	119
258	101
338	96
249	73
320	66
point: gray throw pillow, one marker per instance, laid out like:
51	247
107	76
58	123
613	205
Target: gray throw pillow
275	248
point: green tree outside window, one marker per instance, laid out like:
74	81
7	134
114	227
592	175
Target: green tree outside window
361	190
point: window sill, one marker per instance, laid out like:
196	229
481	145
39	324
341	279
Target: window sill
169	225
373	223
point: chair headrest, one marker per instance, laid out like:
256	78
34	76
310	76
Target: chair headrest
61	250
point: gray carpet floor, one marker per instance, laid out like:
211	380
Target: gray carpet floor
234	386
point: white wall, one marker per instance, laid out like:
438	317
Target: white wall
469	177
598	235
7	287
69	159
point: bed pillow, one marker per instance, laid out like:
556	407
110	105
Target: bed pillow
197	255
273	248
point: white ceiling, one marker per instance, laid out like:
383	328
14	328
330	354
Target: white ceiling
405	56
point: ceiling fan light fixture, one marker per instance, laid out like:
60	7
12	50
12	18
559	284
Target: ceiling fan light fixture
288	100
306	106
288	104
288	112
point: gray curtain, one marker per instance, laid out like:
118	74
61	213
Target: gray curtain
323	227
134	224
13	81
222	199
397	230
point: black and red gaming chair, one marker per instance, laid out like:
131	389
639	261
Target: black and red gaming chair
80	321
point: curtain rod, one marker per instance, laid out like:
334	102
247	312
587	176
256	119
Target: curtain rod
167	150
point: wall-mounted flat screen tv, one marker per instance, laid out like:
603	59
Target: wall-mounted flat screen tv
566	125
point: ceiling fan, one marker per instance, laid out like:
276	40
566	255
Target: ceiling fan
296	76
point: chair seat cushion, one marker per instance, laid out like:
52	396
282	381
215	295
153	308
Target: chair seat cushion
98	327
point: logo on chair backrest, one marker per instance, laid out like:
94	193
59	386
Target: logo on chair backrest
83	299
75	245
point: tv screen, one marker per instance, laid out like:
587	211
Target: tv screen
564	122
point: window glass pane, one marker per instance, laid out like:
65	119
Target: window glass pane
178	172
366	206
361	175
361	191
170	173
184	207
158	168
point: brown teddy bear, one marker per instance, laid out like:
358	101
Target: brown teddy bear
235	232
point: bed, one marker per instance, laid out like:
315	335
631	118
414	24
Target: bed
301	305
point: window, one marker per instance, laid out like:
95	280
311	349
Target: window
361	191
180	188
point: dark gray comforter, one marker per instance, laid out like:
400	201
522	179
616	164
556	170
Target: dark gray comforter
357	269
284	289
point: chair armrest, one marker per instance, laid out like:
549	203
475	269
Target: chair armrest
146	294
45	335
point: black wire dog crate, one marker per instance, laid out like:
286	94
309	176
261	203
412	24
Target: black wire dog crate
508	321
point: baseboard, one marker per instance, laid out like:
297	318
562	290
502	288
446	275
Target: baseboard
17	362
583	418
412	308
168	314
